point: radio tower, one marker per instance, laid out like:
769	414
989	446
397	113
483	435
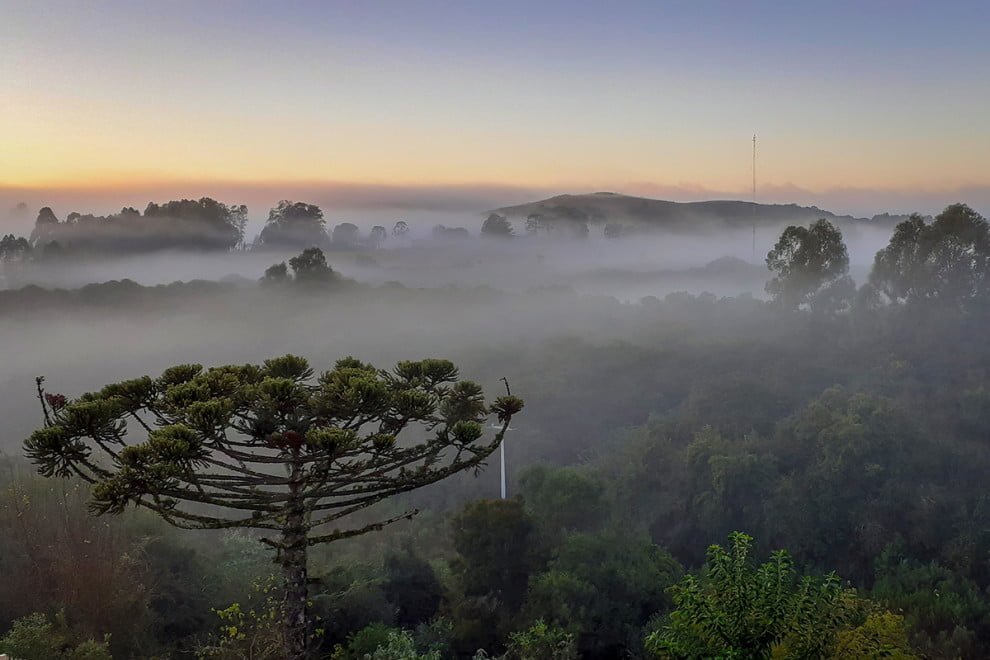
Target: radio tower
754	198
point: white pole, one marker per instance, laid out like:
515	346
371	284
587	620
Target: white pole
502	451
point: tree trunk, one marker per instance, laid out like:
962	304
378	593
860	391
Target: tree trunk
295	616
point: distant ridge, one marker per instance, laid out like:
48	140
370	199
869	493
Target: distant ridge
605	207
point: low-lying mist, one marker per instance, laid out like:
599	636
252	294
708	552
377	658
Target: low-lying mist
628	267
465	299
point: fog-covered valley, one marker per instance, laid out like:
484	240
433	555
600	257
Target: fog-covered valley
676	389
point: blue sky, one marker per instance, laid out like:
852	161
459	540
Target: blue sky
871	96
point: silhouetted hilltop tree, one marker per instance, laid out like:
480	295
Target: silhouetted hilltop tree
294	224
400	229
45	227
14	251
537	223
203	224
377	236
276	274
947	261
548	224
14	248
446	233
496	226
346	236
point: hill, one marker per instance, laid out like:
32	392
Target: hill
605	207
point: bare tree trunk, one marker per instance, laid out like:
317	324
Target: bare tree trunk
296	616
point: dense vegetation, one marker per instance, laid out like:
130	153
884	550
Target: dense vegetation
847	427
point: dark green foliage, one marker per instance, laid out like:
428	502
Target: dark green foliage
945	611
564	499
497	552
496	546
366	641
945	262
34	637
810	266
541	642
737	609
412	587
603	588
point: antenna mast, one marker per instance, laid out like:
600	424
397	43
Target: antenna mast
754	198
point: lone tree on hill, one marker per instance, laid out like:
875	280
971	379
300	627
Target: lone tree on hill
497	225
266	447
310	266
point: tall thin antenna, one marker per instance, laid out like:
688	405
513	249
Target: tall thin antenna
754	198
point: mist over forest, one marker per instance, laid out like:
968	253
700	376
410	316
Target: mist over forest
762	419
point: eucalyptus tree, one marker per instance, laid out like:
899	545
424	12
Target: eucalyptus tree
811	266
272	448
945	261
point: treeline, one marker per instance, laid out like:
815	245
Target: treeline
548	574
208	225
196	225
200	225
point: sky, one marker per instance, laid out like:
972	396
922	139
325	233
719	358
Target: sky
858	106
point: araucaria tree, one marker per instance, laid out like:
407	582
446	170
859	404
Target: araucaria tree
269	447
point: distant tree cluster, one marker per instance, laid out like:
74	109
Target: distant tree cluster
203	224
445	233
309	268
14	248
946	261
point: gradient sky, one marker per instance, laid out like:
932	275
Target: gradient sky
642	97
